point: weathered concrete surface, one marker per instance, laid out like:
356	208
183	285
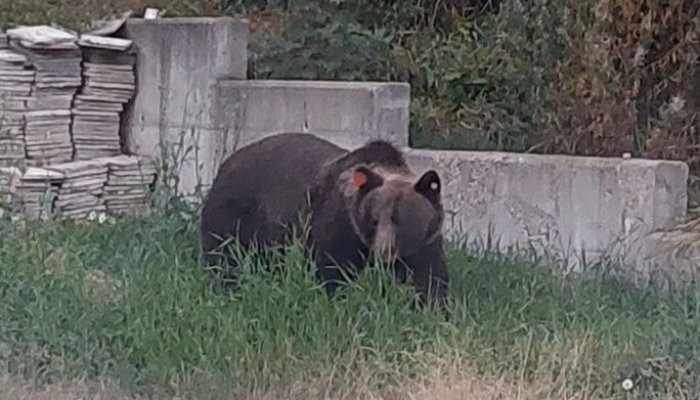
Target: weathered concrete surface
667	258
346	113
179	62
560	203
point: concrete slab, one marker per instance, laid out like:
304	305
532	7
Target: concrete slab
193	157
179	62
566	204
667	258
346	113
238	113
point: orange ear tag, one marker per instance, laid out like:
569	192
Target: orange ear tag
358	179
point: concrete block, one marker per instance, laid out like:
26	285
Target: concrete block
180	60
346	113
561	203
192	156
242	112
666	258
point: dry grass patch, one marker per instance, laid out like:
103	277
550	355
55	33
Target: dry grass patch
446	383
19	389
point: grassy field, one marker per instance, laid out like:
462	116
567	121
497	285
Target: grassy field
123	310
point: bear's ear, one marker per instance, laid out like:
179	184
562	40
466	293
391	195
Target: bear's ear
365	179
429	186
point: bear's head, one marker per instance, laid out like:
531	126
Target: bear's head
394	212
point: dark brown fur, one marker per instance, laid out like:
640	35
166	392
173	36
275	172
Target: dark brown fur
261	189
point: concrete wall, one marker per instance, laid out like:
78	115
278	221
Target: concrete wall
193	97
668	257
347	113
179	63
561	203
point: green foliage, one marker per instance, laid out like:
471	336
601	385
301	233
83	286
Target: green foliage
469	78
63	12
320	46
593	77
129	301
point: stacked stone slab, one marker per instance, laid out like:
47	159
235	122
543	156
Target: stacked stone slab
32	192
16	79
61	100
128	184
82	188
56	59
8	182
77	189
109	83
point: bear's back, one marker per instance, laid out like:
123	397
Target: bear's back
263	186
281	159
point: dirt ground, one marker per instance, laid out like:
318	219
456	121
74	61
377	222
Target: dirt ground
443	385
17	389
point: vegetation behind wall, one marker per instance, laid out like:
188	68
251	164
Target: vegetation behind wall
589	77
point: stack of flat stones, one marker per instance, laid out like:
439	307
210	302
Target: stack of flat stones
108	68
8	182
61	100
56	59
129	183
82	188
16	79
33	192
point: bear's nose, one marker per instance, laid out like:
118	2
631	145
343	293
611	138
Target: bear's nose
385	241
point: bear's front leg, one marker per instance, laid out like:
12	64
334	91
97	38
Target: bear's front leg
338	256
331	276
428	270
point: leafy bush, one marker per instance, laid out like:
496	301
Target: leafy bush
627	84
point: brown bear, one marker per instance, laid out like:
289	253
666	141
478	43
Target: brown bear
361	204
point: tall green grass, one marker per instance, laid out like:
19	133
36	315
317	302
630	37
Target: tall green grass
129	301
